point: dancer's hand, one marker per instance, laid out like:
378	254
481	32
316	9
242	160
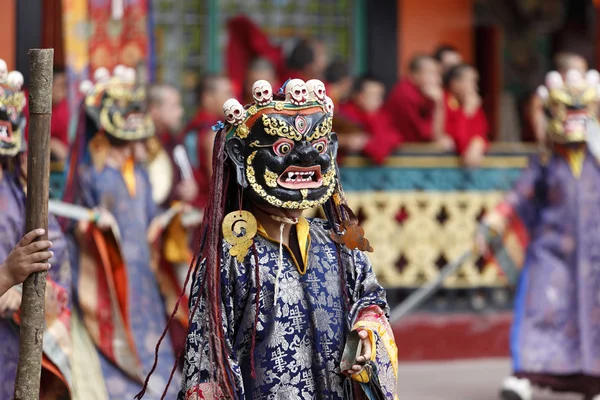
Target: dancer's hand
24	259
187	190
105	219
365	353
9	303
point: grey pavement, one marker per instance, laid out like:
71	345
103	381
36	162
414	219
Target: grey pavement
459	380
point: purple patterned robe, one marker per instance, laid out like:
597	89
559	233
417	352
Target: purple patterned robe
556	328
12	229
146	309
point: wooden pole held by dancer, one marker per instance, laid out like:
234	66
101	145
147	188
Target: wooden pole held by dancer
27	385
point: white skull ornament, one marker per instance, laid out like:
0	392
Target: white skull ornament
86	87
15	79
329	105
262	92
316	90
296	92
101	75
3	70
234	112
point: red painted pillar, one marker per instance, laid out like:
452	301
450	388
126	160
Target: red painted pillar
8	32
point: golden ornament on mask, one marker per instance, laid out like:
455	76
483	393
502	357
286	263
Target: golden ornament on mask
322	130
16	100
239	228
115	128
278	127
270	178
328	180
242	131
589	96
279	106
251	110
560	96
304	193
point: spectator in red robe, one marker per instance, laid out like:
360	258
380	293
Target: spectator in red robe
448	57
59	126
416	104
379	138
166	111
212	92
465	122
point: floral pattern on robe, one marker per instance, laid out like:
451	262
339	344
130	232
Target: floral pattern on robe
301	334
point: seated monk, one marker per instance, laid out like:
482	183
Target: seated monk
416	104
465	122
379	138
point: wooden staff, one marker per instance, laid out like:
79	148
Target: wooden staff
27	385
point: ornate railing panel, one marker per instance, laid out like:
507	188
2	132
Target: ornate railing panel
421	209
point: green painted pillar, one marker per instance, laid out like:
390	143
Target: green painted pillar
359	36
214	23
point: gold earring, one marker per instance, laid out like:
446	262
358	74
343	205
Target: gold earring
239	228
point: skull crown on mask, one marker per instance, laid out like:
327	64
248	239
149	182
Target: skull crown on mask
262	92
296	92
572	102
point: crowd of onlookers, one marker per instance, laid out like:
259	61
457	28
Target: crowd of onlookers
436	102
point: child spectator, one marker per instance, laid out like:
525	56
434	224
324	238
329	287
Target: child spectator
379	138
416	104
465	120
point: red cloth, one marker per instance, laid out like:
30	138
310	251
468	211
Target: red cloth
384	138
462	128
201	124
411	112
246	41
59	126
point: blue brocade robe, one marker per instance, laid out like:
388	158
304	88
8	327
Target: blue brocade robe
300	338
556	328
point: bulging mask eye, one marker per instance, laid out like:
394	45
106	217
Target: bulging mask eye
282	147
320	146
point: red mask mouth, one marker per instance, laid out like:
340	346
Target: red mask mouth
6	131
295	177
134	121
576	124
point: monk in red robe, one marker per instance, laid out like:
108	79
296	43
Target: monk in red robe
212	92
379	137
416	104
465	120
